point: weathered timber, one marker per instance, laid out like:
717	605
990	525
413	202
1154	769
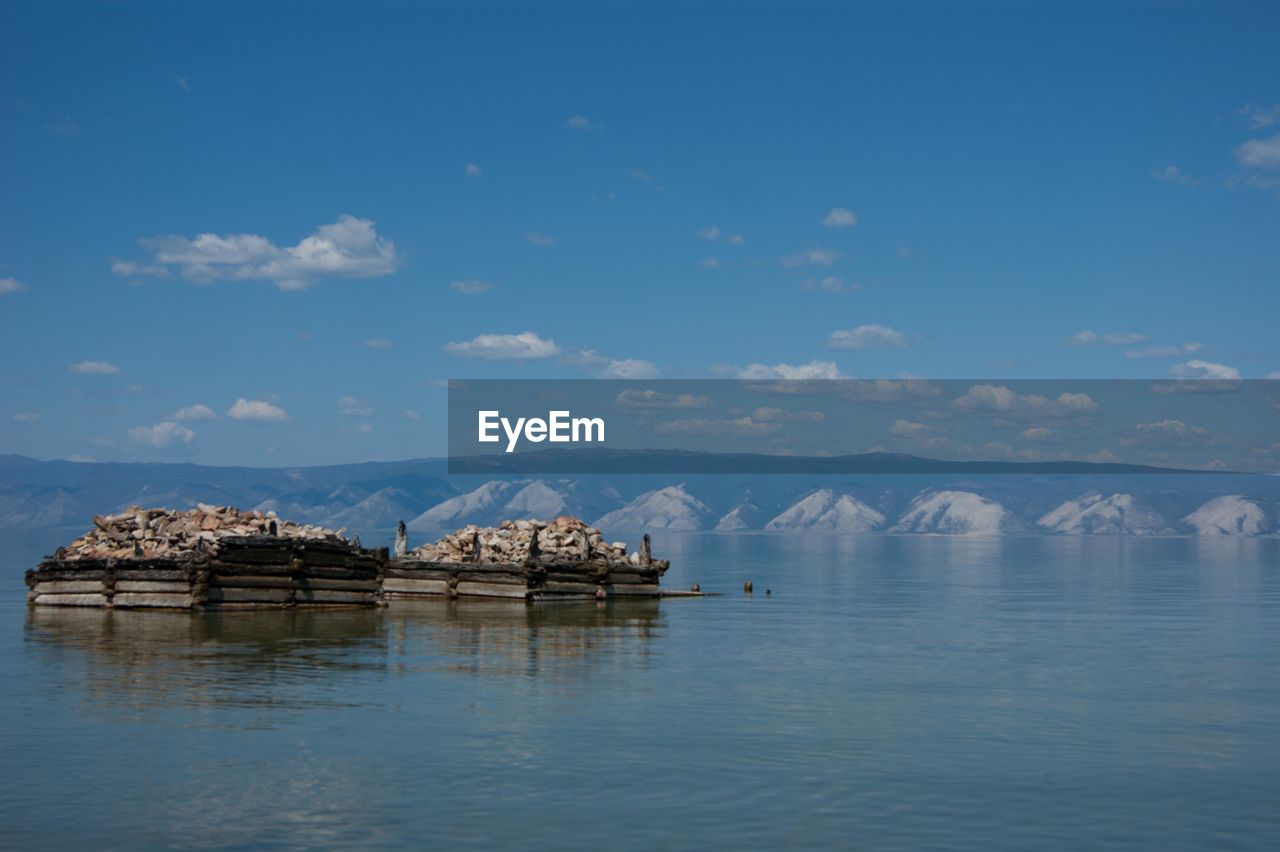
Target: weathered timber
257	595
491	590
629	590
131	600
71	600
163	587
62	587
396	586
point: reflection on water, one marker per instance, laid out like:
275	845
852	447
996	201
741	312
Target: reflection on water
270	657
890	693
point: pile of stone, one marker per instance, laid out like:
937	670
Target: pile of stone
566	539
210	557
563	558
168	533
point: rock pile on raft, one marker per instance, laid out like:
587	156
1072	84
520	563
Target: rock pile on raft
564	540
168	533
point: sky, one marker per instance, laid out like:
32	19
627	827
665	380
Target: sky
270	234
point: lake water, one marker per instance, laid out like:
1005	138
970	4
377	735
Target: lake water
890	693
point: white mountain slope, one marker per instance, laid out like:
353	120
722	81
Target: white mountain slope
827	510
497	501
1230	515
470	508
1093	514
540	500
957	513
382	509
744	516
670	508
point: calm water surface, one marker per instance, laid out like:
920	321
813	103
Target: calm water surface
890	693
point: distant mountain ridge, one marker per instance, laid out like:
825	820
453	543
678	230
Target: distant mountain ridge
374	496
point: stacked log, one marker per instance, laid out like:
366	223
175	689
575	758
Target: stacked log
207	558
526	560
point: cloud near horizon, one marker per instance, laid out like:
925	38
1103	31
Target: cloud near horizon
257	411
870	336
163	436
94	368
347	248
525	346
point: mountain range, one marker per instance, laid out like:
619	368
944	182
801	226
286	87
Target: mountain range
372	497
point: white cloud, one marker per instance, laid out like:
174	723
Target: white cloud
711	232
1172	174
131	269
1197	369
636	398
1172	427
578	122
812	257
1260	153
629	368
257	411
525	346
27	417
364	429
770	414
840	218
867	337
94	368
76	457
1165	351
349	406
640	175
740	426
11	285
1004	400
1272	376
194	413
1260	116
1036	433
162	436
791	372
540	239
709	263
347	248
908	429
472	171
377	343
471	287
737	240
1088	338
410	414
831	284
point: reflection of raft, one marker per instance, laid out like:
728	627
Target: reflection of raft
247	572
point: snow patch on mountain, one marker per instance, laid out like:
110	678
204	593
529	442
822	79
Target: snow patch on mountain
1231	514
744	516
958	513
670	508
1094	514
828	510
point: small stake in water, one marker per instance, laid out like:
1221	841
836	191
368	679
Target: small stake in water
747	587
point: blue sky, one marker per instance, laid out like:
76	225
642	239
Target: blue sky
398	195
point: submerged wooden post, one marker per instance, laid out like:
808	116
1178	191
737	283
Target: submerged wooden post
646	555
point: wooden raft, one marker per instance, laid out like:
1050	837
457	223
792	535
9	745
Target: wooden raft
250	572
531	580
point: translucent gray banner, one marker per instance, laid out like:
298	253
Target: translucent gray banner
863	426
